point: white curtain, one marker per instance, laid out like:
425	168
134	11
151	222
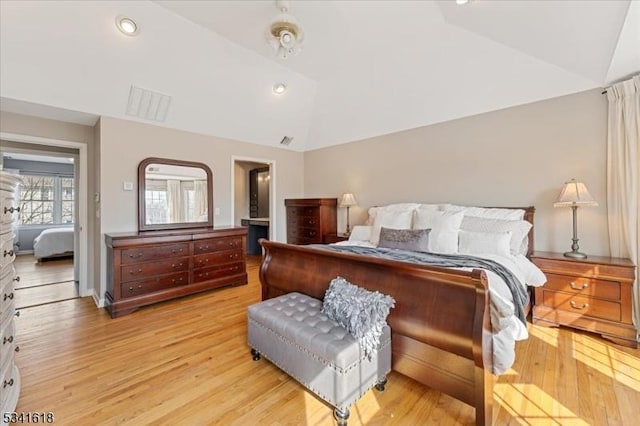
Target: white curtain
174	199
623	176
200	202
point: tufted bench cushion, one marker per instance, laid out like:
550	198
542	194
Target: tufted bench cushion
293	333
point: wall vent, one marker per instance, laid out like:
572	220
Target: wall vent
147	104
286	140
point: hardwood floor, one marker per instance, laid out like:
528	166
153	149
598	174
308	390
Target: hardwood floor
43	282
186	362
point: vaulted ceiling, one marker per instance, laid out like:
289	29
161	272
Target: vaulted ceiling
367	67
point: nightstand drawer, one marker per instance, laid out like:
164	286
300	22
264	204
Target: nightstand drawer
584	286
585	306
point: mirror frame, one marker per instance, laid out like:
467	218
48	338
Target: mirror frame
142	211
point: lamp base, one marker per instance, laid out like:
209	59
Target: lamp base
575	255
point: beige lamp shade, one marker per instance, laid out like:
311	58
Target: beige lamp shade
574	193
348	200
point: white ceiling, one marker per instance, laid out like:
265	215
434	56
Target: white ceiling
367	68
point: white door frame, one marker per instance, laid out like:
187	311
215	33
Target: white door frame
81	255
272	189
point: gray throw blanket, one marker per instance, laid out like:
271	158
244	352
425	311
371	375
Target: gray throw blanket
519	293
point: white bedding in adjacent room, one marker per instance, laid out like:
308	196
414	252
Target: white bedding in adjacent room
53	242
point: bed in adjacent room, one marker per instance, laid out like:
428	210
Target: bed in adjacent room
53	243
456	320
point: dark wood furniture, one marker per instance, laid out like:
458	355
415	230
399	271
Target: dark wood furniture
592	294
310	219
149	267
440	325
335	238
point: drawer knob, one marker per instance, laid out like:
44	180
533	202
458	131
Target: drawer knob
7	253
17	349
135	272
578	287
17	313
135	256
7	383
11	209
8	296
17	278
6	340
574	305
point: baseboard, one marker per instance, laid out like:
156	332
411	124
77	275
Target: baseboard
99	301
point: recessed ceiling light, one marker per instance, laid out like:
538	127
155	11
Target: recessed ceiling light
127	25
462	1
279	88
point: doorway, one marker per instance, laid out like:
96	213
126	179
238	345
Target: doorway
44	239
253	192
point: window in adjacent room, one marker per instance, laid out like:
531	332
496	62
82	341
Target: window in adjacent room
46	200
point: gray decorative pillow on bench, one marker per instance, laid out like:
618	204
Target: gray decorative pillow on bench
361	312
405	239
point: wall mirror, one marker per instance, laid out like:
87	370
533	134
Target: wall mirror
174	194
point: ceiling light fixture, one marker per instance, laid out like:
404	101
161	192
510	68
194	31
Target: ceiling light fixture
284	33
127	25
462	1
279	88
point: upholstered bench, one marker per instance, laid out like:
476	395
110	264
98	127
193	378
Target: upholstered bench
293	333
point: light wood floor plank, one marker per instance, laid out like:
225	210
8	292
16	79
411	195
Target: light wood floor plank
186	362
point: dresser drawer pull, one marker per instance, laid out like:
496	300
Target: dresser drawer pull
174	251
17	244
6	340
135	272
137	288
173	281
233	256
7	383
17	349
17	278
7	253
203	261
179	265
574	305
9	296
17	313
577	287
204	247
136	256
11	209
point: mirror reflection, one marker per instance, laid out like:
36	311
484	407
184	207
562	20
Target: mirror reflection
175	194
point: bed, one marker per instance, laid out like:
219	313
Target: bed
453	353
53	243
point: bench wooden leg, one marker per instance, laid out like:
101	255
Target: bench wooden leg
341	416
256	354
381	384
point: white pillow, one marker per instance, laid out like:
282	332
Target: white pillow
519	229
360	233
444	229
390	219
488	213
484	242
398	207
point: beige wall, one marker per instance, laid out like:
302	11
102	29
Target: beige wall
518	156
123	144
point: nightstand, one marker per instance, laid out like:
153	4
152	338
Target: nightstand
335	238
592	294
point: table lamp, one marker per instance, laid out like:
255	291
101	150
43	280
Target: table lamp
348	200
574	194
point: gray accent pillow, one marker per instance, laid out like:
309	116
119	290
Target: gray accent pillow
405	239
361	312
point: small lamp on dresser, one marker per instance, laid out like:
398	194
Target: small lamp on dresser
348	200
574	194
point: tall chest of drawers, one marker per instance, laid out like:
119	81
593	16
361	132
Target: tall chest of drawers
309	220
592	294
150	267
9	375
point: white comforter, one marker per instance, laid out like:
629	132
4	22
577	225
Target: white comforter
53	242
507	328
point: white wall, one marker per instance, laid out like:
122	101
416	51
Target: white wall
518	156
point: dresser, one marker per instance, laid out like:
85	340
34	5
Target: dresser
310	219
9	376
592	294
149	267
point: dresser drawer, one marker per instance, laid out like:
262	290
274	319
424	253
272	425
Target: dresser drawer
303	211
7	253
8	208
584	286
138	271
217	244
303	222
143	254
304	233
580	305
220	271
7	339
215	258
136	288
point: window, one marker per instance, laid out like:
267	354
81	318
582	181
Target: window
46	200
